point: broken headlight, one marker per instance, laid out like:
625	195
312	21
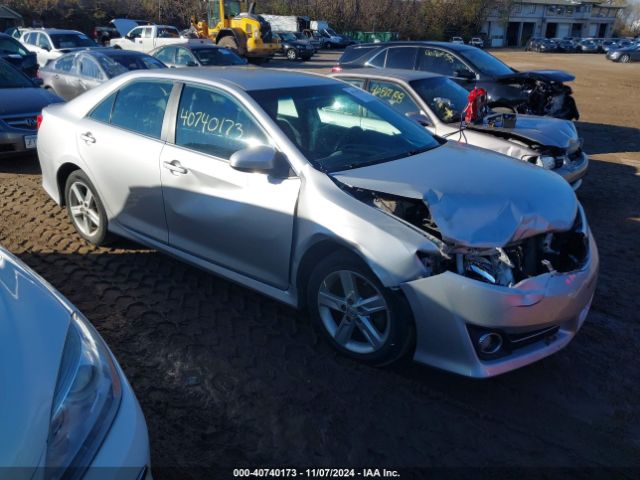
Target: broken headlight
496	269
547	162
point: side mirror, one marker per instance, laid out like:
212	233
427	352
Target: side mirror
464	73
192	64
420	119
262	159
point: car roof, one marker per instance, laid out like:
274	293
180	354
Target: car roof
109	52
51	30
244	78
419	43
404	75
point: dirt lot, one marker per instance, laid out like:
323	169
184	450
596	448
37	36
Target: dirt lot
227	377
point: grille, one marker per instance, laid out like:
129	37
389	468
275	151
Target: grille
25	122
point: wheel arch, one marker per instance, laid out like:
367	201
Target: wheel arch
62	175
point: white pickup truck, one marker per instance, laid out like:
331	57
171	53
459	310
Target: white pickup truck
146	38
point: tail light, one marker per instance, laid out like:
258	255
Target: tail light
38	121
336	69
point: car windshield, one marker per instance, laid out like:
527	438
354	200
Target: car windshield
486	63
122	63
11	78
288	36
445	98
218	56
340	127
9	45
71	40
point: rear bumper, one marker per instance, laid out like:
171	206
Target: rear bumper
13	144
445	306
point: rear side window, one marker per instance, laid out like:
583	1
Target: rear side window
402	57
89	68
102	113
140	107
64	64
394	95
212	122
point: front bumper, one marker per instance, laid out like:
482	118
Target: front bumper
445	305
12	143
574	170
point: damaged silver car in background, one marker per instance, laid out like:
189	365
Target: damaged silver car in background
438	103
318	194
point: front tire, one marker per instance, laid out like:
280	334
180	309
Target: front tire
360	317
625	58
85	208
292	54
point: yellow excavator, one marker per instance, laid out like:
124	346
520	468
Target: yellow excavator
230	24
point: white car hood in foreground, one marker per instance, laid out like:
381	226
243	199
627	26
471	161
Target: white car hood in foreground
33	328
476	198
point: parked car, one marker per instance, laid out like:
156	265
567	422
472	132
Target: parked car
148	37
625	55
197	55
12	51
15	32
546	45
50	43
319	194
565	45
476	42
293	48
540	92
457	40
587	46
532	44
67	408
438	103
75	73
608	45
21	101
315	42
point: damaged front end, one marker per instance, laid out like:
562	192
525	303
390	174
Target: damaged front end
535	93
550	252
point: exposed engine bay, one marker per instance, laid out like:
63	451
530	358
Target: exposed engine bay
560	252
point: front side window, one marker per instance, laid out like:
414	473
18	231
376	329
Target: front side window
167	55
446	99
140	107
88	68
136	33
402	57
440	62
43	42
396	96
485	62
339	127
12	78
212	122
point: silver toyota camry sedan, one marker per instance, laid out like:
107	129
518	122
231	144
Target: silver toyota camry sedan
320	195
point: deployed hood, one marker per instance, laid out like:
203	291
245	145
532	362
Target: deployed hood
546	131
33	329
125	25
476	198
20	101
550	75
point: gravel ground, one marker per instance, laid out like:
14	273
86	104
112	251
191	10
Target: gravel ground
229	378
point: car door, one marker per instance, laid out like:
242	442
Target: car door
44	49
239	220
439	61
61	75
89	75
120	143
134	39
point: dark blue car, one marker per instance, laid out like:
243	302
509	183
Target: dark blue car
12	51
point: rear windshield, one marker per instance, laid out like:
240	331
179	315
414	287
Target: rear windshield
168	33
11	78
71	40
350	55
218	56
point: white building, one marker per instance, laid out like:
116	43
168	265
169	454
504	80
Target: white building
550	19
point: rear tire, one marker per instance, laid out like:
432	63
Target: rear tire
360	317
625	58
85	208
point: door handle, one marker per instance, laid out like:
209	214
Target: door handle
88	138
176	168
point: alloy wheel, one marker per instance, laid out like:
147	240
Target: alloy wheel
291	54
625	59
354	312
83	208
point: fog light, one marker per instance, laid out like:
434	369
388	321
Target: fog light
546	162
490	343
